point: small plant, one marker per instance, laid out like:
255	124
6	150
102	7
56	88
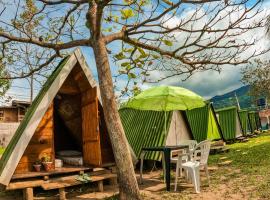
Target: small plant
38	162
37	165
46	158
47	162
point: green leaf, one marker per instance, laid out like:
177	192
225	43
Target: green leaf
120	56
125	64
131	75
127	13
167	42
141	51
155	56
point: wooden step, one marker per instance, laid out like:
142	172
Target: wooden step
24	184
71	181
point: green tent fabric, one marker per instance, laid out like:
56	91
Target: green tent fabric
145	129
243	114
254	120
229	122
204	124
258	121
165	98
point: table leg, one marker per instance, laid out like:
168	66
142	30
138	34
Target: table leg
167	155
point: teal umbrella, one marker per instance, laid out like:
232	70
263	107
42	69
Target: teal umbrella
165	98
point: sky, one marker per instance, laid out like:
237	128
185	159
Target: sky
206	84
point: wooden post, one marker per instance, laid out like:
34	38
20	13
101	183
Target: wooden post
113	181
28	194
100	186
62	194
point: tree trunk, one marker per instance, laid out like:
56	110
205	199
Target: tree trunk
128	186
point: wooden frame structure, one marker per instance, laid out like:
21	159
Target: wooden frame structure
66	114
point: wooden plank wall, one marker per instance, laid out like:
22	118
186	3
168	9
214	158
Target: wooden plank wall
90	128
105	142
41	143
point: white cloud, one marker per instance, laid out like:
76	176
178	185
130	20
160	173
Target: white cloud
211	83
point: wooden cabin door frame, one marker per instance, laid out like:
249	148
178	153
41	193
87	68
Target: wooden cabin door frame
90	128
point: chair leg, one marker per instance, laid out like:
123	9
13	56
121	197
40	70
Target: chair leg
194	173
187	175
197	178
141	167
207	174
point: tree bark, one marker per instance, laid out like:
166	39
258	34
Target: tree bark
128	186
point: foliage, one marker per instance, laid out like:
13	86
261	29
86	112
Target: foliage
257	75
158	39
148	41
46	158
4	83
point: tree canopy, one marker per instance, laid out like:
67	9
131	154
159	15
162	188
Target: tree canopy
257	75
148	40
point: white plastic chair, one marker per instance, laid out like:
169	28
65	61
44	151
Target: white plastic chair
201	154
199	157
185	155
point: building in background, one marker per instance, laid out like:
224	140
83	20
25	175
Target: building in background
14	112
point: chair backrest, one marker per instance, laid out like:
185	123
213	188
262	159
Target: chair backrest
191	143
201	152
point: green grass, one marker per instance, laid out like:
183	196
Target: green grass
249	167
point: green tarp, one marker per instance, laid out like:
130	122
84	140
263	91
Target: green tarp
254	119
243	114
203	123
145	129
227	119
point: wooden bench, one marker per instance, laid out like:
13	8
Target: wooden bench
60	183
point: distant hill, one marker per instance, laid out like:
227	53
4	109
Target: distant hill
229	99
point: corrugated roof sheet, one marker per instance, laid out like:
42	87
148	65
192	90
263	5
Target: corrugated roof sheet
253	121
145	129
227	121
203	124
243	115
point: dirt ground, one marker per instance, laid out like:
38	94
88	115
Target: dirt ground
153	188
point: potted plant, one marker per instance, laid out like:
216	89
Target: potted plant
47	162
37	165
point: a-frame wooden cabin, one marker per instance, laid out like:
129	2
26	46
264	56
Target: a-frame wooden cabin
66	115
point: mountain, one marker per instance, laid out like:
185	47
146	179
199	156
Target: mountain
229	99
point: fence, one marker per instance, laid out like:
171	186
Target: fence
7	130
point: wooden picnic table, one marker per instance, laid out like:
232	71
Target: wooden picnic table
166	150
